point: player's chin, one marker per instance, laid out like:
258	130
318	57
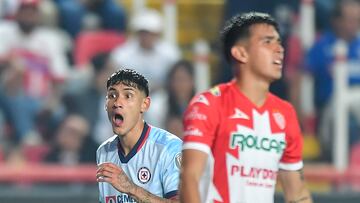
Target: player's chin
119	130
276	76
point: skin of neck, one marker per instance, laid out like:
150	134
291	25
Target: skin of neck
254	88
129	140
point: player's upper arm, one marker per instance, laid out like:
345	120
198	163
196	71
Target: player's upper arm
193	163
291	175
201	120
292	157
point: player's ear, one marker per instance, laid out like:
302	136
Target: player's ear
239	53
145	104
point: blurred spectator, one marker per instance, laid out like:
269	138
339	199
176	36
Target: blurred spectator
70	145
15	157
1	155
77	14
320	60
169	105
3	117
90	102
33	61
90	43
323	9
233	6
174	125
146	52
8	8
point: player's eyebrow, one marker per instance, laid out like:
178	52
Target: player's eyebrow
111	89
272	37
129	88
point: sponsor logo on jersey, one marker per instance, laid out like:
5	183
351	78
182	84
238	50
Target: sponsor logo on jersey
192	131
256	142
178	158
144	175
200	99
215	91
279	120
123	198
194	114
253	172
239	114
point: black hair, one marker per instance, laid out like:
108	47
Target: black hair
130	78
238	27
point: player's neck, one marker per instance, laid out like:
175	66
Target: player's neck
255	91
129	140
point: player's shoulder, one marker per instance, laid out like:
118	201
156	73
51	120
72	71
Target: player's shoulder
168	144
213	95
108	145
162	137
281	103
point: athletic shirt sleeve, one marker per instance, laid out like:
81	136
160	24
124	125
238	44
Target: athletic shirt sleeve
200	121
292	156
171	168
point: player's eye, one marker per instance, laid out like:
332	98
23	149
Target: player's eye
267	41
111	95
129	95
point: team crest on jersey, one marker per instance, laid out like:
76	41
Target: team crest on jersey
144	175
200	99
279	120
215	91
178	160
110	199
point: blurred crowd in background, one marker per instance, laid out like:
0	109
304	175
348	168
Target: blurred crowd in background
56	55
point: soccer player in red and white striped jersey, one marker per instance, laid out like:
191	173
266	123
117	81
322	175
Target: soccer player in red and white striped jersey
239	138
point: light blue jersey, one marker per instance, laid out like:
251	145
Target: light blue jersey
153	164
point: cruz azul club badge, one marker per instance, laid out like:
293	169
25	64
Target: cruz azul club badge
144	175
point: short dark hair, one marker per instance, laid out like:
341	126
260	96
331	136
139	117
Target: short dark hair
238	27
130	78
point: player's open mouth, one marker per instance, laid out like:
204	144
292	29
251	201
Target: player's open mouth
118	119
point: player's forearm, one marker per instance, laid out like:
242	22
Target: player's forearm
293	184
143	196
189	191
302	197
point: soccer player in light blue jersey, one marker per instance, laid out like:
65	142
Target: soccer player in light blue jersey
140	163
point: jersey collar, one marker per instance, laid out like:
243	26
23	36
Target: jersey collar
137	146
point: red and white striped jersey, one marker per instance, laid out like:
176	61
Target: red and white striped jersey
246	144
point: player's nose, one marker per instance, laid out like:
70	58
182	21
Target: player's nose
280	49
118	103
